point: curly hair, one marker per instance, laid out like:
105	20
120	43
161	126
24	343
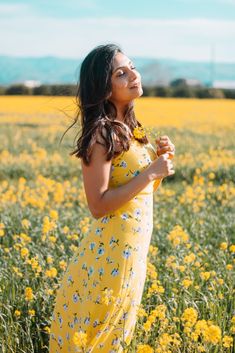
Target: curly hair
96	111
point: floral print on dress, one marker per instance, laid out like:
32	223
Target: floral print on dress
103	284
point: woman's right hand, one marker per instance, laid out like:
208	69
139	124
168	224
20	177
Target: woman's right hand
161	167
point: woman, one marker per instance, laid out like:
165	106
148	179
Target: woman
97	302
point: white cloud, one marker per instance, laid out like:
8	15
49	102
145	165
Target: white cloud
13	9
189	39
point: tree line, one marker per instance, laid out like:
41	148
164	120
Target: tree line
177	88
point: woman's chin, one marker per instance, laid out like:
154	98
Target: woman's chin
137	92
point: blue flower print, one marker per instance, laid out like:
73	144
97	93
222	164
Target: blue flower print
75	261
67	336
105	219
115	341
148	160
82	253
92	246
113	241
125	285
100	251
60	341
75	297
132	273
60	321
96	323
84	266
95	283
87	320
101	271
71	324
125	216
109	260
75	320
98	298
98	231
125	315
126	253
136	172
123	164
90	270
137	212
70	280
115	272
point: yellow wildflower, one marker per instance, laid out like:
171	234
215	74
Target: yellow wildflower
47	329
229	267
223	246
51	273
17	312
24	252
54	214
25	223
232	248
28	293
187	282
189	258
213	334
147	326
205	275
227	341
189	317
144	348
178	235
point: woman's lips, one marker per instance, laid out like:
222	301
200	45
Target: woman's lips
136	85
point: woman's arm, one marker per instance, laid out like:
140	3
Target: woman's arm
102	200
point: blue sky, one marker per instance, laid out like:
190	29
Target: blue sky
181	29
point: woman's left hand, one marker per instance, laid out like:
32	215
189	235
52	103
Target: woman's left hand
164	145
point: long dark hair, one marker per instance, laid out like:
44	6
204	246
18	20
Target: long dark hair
96	111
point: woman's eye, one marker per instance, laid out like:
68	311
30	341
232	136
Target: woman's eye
123	73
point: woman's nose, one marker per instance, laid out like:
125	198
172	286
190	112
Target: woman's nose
134	75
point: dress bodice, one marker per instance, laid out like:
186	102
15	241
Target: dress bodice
130	163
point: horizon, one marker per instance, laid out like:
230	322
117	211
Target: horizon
139	57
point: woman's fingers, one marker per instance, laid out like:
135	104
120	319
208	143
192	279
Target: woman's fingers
163	149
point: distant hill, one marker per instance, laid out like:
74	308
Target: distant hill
49	70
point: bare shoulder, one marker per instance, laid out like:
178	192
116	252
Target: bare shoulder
96	175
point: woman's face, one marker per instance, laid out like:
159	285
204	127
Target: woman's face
125	80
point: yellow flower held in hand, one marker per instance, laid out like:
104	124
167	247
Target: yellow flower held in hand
139	132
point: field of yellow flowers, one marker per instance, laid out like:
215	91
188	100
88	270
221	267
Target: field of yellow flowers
188	304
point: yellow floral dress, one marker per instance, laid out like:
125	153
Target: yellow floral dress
103	285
